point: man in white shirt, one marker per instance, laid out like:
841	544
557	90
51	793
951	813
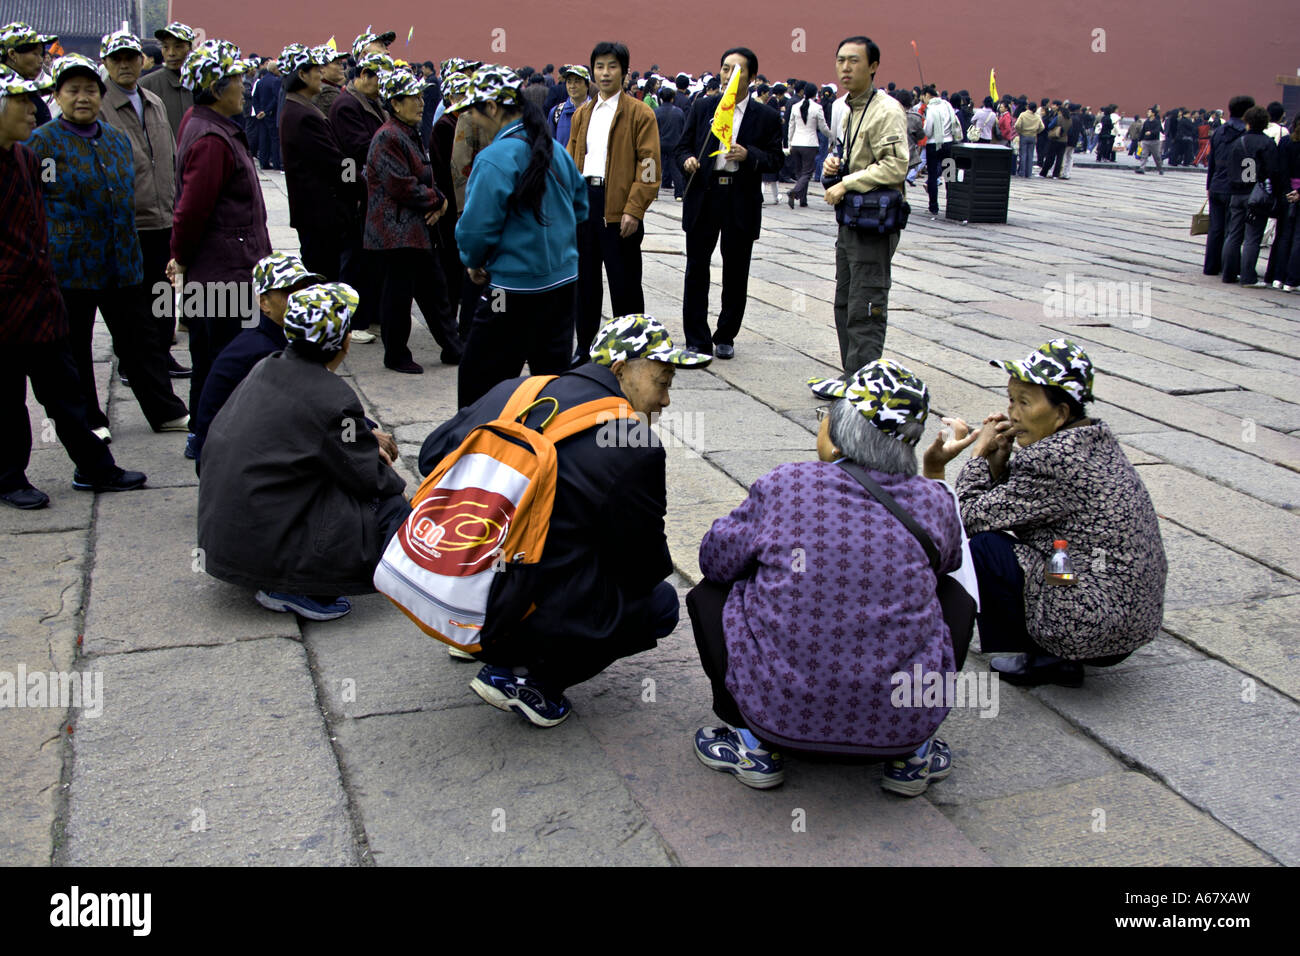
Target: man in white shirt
614	140
941	131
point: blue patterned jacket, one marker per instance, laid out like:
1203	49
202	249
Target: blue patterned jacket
89	194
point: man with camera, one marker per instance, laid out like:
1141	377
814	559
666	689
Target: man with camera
874	157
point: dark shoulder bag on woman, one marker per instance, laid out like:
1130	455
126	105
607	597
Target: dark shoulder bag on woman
958	606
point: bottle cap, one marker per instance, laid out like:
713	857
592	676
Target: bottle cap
1058	544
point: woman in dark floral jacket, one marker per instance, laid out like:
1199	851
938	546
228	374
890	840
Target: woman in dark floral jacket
402	205
1068	481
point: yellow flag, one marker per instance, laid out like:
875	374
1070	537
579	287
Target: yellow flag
332	45
410	33
725	114
993	84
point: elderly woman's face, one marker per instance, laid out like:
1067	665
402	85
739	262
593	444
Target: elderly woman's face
408	109
78	99
1032	415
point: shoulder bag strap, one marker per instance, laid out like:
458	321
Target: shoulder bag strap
884	497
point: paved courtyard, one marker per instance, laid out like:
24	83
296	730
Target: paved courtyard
232	735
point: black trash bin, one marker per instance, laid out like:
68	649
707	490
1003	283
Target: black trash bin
980	183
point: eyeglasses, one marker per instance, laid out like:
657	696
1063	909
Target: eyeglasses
822	411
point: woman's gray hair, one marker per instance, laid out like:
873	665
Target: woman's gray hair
862	442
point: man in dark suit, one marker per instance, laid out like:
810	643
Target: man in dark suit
672	121
724	191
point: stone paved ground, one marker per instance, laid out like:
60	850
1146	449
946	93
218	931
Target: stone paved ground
233	735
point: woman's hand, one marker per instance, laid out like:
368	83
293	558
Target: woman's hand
174	271
433	215
477	276
946	446
387	446
994	444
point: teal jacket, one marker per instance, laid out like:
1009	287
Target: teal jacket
519	253
89	192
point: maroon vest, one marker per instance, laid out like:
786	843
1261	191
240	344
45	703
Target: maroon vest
236	236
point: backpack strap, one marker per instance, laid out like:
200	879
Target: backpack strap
587	415
894	508
525	395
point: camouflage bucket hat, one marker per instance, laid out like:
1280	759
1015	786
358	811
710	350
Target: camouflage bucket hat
493	84
376	63
321	314
365	39
641	336
211	62
574	70
399	82
886	394
177	31
458	64
118	41
75	61
455	86
20	34
327	54
280	270
1059	362
295	57
12	84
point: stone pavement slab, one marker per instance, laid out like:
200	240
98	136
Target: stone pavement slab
1258	637
207	756
1275	485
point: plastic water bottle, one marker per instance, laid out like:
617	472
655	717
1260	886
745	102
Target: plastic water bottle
1060	571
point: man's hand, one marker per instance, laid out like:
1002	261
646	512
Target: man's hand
261	115
835	195
737	154
175	272
478	276
831	167
387	446
691	165
628	225
947	446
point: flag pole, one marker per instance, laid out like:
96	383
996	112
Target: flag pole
918	63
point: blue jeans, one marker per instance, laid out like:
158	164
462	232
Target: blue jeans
1027	147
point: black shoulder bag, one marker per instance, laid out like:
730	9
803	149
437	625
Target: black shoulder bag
958	606
881	211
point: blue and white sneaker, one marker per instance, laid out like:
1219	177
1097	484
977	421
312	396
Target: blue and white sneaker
721	749
912	776
500	687
303	606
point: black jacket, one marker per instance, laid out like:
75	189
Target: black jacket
290	472
672	122
1219	175
759	133
606	545
1256	157
230	368
314	172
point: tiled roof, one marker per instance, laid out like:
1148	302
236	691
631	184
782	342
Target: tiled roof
70	17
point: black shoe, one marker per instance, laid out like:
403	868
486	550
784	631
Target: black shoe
790	198
176	370
1031	670
121	481
407	368
28	499
724	351
122	378
450	358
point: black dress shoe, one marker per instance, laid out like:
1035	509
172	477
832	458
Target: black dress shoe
407	368
724	351
29	499
1031	670
450	358
176	370
790	198
121	481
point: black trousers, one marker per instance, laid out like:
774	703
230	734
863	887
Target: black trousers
53	372
208	336
138	341
717	212
358	268
1218	208
511	328
322	251
414	274
1054	158
935	156
155	246
556	662
704	604
600	244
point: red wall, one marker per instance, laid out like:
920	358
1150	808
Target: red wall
1176	53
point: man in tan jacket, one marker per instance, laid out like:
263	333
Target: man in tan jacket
614	139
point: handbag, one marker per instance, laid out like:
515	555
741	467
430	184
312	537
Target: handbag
881	211
1201	221
958	606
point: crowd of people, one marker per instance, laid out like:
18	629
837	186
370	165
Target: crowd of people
508	204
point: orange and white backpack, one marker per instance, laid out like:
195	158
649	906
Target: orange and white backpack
483	511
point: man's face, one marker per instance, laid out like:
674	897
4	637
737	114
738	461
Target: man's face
333	72
738	62
367	83
374	46
607	73
576	87
174	52
27	60
78	99
274	304
854	71
273	67
17	117
646	384
124	68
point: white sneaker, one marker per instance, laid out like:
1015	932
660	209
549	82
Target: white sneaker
363	337
1290	288
181	424
1277	283
102	434
456	654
